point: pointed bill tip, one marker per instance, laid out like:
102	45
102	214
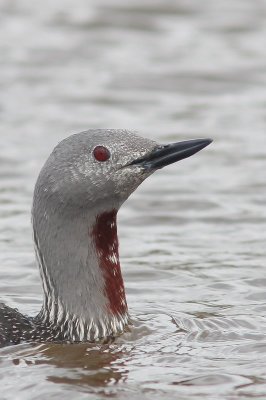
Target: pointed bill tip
162	156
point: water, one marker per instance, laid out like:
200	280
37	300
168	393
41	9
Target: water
192	238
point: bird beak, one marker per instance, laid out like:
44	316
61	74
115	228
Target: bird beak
170	153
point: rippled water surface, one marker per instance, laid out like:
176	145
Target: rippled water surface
192	238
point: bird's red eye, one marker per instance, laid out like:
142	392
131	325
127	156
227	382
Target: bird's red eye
101	153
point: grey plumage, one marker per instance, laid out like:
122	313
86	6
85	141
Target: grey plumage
76	198
71	190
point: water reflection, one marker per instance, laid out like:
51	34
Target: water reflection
81	364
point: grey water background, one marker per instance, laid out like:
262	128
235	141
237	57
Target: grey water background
192	238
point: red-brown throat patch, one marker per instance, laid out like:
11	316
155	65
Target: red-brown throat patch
104	234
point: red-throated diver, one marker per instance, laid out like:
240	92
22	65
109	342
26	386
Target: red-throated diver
77	195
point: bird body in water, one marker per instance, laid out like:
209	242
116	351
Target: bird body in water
77	195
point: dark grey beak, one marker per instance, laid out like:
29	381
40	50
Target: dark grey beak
171	153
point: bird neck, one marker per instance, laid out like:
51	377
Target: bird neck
84	295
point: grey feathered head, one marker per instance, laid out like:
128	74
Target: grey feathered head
90	168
